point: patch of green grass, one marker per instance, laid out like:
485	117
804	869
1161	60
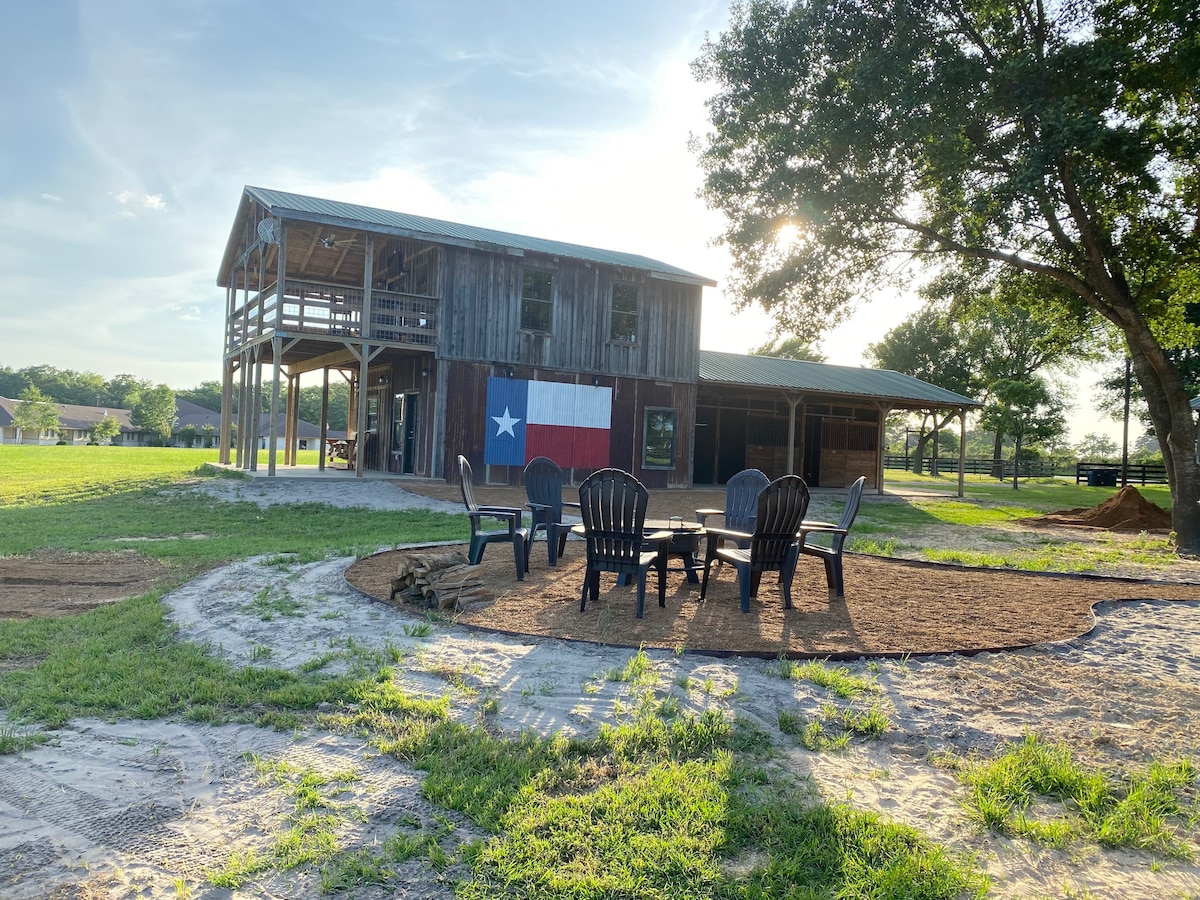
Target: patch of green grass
115	498
52	476
839	680
661	809
275	600
310	836
19	740
1144	809
872	547
1063	556
639	670
124	660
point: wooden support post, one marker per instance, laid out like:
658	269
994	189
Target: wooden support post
880	446
360	445
289	430
243	405
962	446
226	432
273	425
366	331
324	439
792	402
254	417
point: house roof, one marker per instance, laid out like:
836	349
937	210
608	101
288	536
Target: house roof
1196	403
822	378
70	416
81	418
366	218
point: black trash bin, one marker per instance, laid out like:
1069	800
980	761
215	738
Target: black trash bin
1102	478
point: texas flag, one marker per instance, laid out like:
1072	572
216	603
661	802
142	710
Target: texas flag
569	423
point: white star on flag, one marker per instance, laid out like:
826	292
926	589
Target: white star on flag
506	423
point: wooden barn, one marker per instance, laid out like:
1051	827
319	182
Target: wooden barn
432	322
458	339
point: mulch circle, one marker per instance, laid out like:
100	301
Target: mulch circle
891	608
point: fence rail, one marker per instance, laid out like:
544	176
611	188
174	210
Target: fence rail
1028	468
1101	474
1110	473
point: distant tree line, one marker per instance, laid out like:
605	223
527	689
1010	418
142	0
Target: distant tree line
149	402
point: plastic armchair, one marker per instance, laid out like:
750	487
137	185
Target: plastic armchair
832	555
741	502
773	546
512	533
543	490
612	504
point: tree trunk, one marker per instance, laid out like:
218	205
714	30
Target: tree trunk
918	463
1016	460
998	456
1175	425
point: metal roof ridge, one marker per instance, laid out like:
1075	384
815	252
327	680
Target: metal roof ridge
269	197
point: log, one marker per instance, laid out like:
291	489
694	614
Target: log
422	563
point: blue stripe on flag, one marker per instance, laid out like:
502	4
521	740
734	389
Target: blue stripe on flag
507	399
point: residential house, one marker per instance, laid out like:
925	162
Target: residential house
75	424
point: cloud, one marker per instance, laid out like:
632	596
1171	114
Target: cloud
52	198
146	201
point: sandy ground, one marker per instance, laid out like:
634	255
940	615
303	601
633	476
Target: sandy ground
146	809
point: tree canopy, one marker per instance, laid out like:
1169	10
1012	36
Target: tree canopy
36	413
154	412
789	348
1058	143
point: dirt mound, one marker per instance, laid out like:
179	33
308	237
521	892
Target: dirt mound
58	583
1126	510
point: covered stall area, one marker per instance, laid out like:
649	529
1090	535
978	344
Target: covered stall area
822	422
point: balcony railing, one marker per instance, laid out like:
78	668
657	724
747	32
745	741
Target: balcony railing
323	309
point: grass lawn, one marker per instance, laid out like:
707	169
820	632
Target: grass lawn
993	511
664	806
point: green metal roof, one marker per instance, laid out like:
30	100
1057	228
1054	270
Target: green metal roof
366	218
821	378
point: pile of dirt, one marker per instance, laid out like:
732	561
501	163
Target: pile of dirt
1126	510
58	583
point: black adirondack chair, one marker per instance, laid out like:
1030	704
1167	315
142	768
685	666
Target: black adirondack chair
773	546
612	504
832	555
741	502
512	532
543	490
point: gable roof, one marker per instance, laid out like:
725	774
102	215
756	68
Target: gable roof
285	205
822	378
70	416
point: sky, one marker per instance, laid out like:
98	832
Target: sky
128	129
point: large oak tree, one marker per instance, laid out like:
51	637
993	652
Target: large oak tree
1059	141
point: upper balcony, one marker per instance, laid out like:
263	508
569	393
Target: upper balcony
316	309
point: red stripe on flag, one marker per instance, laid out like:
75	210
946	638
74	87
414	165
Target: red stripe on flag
571	448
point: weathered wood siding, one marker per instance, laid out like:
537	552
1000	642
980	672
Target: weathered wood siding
466	422
481	317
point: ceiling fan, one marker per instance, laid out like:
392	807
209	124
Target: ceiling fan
329	242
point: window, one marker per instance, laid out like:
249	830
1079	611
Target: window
537	301
624	313
658	448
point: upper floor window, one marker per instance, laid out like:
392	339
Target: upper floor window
537	301
624	325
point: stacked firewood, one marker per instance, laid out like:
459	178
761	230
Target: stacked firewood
440	580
